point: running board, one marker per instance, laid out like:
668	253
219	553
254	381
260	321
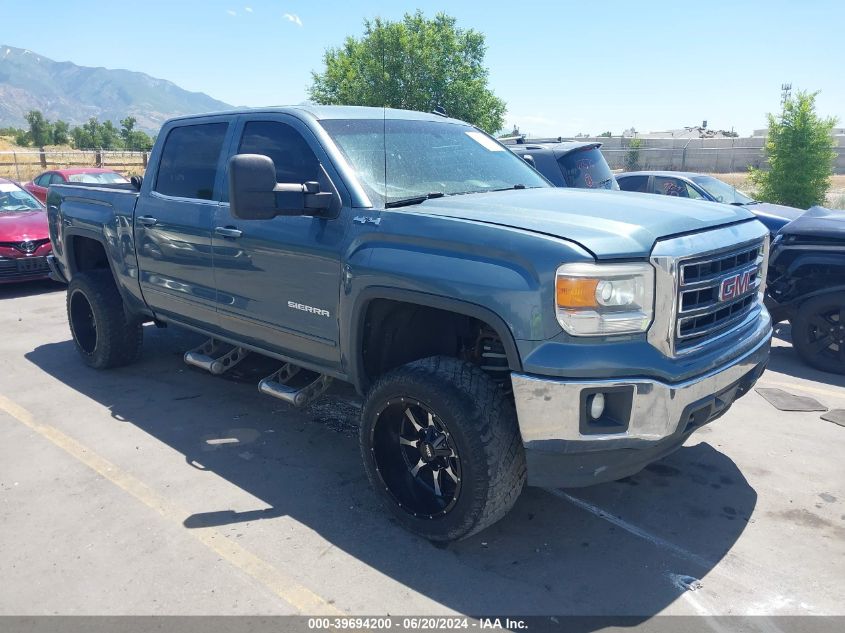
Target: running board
275	385
207	356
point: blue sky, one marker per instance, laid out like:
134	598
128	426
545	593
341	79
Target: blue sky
562	67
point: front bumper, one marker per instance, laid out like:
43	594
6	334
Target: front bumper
20	269
647	419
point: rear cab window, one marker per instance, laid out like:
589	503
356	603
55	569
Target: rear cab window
587	169
189	159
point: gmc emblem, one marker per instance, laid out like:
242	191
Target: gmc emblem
735	285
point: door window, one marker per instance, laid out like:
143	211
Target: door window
56	179
294	160
674	187
43	180
634	183
188	165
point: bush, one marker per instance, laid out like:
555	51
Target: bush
800	151
632	156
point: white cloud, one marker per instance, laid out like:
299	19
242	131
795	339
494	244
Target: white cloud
232	13
248	9
292	17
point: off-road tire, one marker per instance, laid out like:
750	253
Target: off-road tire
803	332
483	426
102	332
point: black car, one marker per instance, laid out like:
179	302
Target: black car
806	286
704	187
577	164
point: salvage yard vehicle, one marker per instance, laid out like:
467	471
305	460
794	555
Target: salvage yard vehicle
705	187
499	328
807	286
566	163
38	186
24	239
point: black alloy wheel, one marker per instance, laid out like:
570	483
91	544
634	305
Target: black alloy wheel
416	459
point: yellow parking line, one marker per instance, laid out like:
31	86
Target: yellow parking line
298	596
836	392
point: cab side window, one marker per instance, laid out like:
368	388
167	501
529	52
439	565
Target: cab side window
294	160
674	187
188	165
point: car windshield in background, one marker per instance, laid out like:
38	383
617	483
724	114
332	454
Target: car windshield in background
101	179
398	160
587	169
721	191
14	199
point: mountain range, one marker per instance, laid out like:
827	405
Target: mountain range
63	90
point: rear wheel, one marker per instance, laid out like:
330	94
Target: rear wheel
102	332
818	332
441	446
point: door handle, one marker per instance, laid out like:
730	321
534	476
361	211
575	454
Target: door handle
228	231
147	220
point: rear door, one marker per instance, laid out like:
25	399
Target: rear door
278	280
173	220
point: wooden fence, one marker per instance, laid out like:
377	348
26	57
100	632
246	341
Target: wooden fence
24	165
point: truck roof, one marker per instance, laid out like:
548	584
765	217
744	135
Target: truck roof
323	112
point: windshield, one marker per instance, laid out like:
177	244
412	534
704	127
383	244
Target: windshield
14	199
399	159
103	178
721	191
587	169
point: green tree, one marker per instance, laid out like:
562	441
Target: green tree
134	139
415	64
61	133
605	134
40	130
800	151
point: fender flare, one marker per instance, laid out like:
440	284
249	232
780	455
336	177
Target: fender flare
369	294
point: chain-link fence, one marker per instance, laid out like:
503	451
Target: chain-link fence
24	165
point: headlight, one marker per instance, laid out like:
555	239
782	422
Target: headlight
601	299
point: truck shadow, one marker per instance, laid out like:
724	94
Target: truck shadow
29	288
785	360
549	556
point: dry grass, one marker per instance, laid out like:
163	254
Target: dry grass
835	196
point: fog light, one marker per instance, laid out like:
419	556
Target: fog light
597	406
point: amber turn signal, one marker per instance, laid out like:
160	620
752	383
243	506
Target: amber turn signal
575	292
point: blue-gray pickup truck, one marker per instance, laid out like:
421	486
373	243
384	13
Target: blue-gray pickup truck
501	330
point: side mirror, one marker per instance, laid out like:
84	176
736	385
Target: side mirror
254	193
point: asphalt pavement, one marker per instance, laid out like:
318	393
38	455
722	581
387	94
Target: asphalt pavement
160	489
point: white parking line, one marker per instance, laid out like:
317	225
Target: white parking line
762	589
633	529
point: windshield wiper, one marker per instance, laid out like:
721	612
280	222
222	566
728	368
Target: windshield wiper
745	204
516	186
404	202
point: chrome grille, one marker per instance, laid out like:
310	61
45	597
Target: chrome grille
702	311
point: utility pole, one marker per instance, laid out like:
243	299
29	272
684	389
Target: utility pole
786	91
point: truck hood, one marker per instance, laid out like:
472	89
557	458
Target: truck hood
610	224
25	225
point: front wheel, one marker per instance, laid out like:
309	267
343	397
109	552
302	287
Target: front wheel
442	448
818	332
103	333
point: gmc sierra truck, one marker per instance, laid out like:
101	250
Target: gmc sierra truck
501	330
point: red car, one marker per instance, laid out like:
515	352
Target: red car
24	237
38	186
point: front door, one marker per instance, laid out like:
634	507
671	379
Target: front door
173	221
278	280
